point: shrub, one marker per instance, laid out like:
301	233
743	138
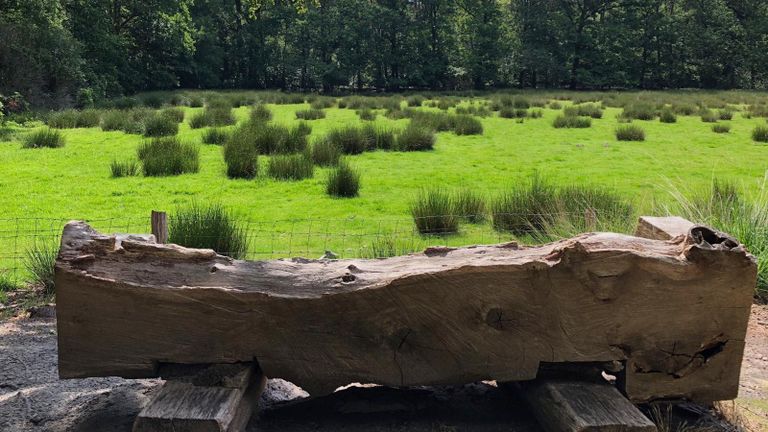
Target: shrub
303	128
127	168
415	138
721	128
564	121
63	119
153	101
555	105
684	109
343	181
88	118
261	113
537	113
196	102
434	212
725	114
136	119
630	132
467	125
415	100
366	114
310	114
709	116
436	121
208	227
45	137
114	120
174	114
40	262
325	152
84	98
509	112
168	156
667	116
159	126
584	110
125	103
639	112
469	205
379	138
216	136
213	115
290	167
760	134
322	102
350	139
241	154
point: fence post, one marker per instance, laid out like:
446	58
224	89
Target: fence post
160	226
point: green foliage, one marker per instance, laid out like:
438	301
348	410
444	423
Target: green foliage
585	110
261	113
217	136
436	121
343	181
159	126
126	168
216	114
415	100
241	153
667	116
39	262
467	125
325	153
290	167
415	138
366	114
434	212
114	120
303	128
322	102
639	111
760	134
726	114
310	114
208	227
70	119
564	121
512	113
350	139
45	137
470	205
379	137
174	114
709	116
630	132
168	156
721	128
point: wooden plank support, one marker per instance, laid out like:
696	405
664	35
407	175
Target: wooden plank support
579	406
160	226
219	398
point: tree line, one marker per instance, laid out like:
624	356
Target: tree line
58	52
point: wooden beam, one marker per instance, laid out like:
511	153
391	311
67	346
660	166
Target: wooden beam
662	228
216	399
160	226
577	406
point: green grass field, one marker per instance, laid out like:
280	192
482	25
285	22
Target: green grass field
40	188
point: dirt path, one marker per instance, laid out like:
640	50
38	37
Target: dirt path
32	398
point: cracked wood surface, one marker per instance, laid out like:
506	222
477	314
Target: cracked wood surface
674	312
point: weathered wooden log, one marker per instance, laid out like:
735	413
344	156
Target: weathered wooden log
673	312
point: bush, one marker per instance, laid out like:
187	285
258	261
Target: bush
379	137
684	109
63	119
438	122
343	181
726	114
168	156
760	134
584	110
467	125
88	118
114	120
630	132
350	139
434	212
509	112
415	138
469	205
564	121
667	116
415	100
303	128
134	121
709	116
241	154
45	137
721	128
325	152
214	115
537	113
639	112
209	227
310	114
127	168
216	136
173	114
366	114
261	113
196	102
323	102
160	126
290	167
40	262
153	101
125	103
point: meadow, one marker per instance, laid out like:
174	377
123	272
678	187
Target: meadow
664	164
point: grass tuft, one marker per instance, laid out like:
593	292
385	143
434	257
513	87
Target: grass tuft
325	153
127	168
467	125
208	227
416	138
721	128
343	181
630	132
159	126
168	156
434	212
572	122
215	136
310	114
45	137
760	134
290	167
40	262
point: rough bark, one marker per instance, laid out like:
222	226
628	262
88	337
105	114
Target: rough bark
673	312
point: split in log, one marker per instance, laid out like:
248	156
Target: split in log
674	312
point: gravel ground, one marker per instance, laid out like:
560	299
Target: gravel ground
32	398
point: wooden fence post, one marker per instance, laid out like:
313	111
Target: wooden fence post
160	226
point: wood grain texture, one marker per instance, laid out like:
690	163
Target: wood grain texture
674	312
662	228
574	406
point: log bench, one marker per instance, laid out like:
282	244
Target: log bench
670	310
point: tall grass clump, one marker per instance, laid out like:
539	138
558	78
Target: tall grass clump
470	205
217	113
630	132
66	119
594	111
667	116
310	114
261	113
290	167
159	126
389	244
127	168
709	116
415	100
168	156
379	137
45	137
760	134
639	112
241	154
434	212
350	139
39	262
325	153
467	125
415	138
721	128
524	208
437	121
175	114
725	207
572	122
366	114
215	136
113	120
208	227
726	114
343	181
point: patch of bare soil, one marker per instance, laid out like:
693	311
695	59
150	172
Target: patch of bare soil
32	398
